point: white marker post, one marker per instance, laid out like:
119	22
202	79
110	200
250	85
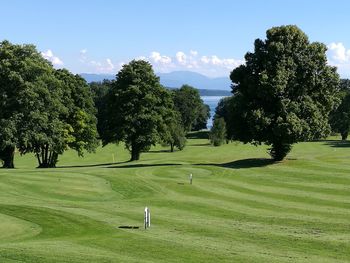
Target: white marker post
190	178
147	218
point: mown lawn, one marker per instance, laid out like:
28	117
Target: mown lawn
240	208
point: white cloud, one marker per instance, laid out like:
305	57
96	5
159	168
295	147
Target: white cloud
193	53
212	66
338	52
110	64
208	65
158	58
181	57
56	61
339	57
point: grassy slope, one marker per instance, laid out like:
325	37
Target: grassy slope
237	210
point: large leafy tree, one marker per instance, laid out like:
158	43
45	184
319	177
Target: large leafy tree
137	108
42	110
193	111
340	117
24	76
284	92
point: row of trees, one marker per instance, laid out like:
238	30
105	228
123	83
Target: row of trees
137	110
283	94
47	111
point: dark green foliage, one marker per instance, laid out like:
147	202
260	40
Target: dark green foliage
218	132
174	133
78	98
279	150
137	108
224	110
194	113
24	74
100	91
42	110
340	117
284	92
202	118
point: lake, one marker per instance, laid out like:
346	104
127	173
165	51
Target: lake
212	101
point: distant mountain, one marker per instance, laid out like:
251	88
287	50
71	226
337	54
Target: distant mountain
176	79
89	77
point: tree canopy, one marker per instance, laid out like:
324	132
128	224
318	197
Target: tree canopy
137	108
194	113
340	117
42	110
284	92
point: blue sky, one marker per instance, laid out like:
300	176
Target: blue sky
210	37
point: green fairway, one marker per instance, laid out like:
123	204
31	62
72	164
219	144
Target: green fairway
240	207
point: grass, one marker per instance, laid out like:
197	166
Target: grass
240	208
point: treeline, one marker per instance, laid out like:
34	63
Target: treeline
46	111
137	110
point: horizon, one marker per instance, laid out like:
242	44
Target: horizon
210	39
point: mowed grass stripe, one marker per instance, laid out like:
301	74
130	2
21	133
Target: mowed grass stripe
240	207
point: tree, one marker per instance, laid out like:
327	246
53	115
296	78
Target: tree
173	133
137	104
42	110
340	117
100	91
224	110
23	74
218	132
188	102
284	92
202	117
63	117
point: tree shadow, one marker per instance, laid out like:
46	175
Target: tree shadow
160	151
91	165
200	144
245	163
144	165
198	135
337	144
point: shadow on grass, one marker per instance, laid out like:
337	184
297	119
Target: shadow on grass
337	144
245	163
198	135
200	144
87	165
144	165
159	151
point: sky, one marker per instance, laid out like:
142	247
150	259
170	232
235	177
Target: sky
206	36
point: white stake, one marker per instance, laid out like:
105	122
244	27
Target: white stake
190	178
113	157
147	218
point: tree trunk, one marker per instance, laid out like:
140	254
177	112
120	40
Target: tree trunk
344	135
135	153
171	147
8	155
279	150
48	158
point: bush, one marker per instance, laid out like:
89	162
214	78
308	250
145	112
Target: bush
218	132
